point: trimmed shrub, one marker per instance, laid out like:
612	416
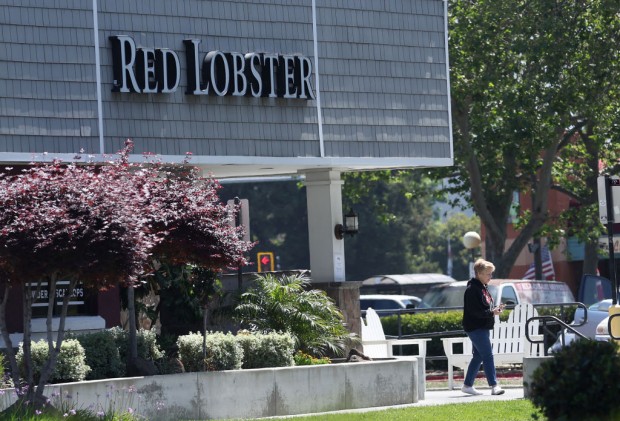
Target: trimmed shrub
266	349
102	355
70	365
223	352
148	348
168	365
579	383
306	359
5	379
428	322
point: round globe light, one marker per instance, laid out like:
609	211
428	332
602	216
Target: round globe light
471	240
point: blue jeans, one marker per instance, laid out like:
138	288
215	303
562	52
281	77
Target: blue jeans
482	354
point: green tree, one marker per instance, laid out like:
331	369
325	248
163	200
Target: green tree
433	253
278	219
394	207
516	84
597	144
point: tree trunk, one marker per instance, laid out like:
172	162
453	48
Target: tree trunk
54	350
205	316
590	258
133	329
28	394
10	352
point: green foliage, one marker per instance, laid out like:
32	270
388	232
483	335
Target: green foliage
148	348
286	304
70	365
435	247
394	208
579	383
430	322
266	350
102	354
305	359
515	410
530	79
270	204
223	352
423	322
5	380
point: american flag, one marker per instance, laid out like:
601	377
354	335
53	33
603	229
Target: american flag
547	266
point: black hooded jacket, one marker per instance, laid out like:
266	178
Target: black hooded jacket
477	307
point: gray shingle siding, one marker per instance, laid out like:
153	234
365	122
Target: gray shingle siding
382	77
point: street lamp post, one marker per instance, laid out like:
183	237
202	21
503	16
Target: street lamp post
471	241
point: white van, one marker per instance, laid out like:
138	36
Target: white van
506	291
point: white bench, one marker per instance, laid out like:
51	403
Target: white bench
508	339
376	345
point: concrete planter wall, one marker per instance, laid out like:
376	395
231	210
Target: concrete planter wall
252	393
530	364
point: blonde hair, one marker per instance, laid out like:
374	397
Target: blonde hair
481	265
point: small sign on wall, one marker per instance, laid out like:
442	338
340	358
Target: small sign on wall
339	267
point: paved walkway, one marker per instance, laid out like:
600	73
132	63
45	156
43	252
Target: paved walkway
441	397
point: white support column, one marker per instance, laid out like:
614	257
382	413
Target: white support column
324	195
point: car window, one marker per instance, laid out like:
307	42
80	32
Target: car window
509	295
386	305
451	296
409	303
537	292
364	304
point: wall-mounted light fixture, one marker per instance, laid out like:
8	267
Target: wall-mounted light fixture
350	226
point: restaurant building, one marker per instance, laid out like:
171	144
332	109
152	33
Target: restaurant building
249	88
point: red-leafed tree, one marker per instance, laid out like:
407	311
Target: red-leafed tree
194	227
101	225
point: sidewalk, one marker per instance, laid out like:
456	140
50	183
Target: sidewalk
445	396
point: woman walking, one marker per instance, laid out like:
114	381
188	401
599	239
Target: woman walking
478	320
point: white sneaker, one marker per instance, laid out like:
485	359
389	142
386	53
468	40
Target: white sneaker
470	390
497	390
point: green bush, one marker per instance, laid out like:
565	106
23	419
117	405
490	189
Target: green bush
288	303
223	352
70	365
429	322
5	379
102	355
579	383
305	359
266	349
148	348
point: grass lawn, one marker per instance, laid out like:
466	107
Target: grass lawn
517	410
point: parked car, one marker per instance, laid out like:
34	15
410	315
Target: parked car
506	291
385	302
597	312
593	289
602	329
416	284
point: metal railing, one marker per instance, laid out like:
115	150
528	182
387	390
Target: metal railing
549	320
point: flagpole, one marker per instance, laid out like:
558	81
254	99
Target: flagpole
538	258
